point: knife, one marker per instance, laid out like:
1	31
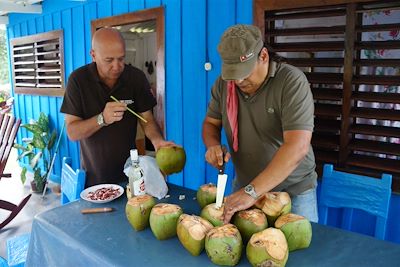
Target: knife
221	182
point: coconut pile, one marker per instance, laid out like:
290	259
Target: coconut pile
267	232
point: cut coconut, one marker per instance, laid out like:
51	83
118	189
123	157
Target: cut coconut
224	245
163	220
206	194
274	204
213	214
138	209
249	222
191	231
297	230
268	248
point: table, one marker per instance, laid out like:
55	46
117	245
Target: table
64	237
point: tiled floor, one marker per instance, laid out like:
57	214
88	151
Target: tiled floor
11	189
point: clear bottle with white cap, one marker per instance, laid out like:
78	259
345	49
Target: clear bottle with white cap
136	175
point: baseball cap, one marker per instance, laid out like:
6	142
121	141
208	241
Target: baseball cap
239	48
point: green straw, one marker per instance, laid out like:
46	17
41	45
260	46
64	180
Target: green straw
130	110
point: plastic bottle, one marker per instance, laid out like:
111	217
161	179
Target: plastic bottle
136	175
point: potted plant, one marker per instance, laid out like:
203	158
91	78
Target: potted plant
38	149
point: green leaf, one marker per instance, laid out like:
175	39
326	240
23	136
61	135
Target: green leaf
39	179
18	146
35	160
26	153
23	175
43	122
52	140
38	142
34	128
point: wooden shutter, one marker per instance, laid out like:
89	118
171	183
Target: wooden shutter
357	108
37	64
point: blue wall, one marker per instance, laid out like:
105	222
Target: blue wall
192	31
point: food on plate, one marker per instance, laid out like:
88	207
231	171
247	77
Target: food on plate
224	245
171	159
249	222
163	220
274	204
206	194
268	248
191	231
104	193
297	230
138	209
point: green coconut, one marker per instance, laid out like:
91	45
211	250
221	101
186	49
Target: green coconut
268	248
297	230
224	245
171	159
191	231
138	209
213	214
163	220
274	204
206	194
249	222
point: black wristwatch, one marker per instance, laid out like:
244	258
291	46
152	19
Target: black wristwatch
100	120
249	189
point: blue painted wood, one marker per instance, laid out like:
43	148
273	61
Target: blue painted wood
135	5
120	7
345	190
72	182
90	14
104	8
244	11
152	3
173	81
193	98
78	43
39	24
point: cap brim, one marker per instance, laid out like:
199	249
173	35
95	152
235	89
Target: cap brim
238	71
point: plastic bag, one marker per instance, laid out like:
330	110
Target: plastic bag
154	181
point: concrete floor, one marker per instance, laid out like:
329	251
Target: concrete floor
12	190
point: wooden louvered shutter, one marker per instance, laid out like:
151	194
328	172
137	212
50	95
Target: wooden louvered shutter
357	99
38	64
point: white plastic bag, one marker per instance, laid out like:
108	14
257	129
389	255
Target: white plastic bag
154	181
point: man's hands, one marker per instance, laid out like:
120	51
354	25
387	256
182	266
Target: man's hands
113	111
163	143
236	202
215	156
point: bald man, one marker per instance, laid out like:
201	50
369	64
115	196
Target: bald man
105	130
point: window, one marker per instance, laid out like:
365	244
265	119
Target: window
37	64
350	52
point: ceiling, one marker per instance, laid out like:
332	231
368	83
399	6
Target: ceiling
18	6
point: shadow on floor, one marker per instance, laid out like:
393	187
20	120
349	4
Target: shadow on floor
11	189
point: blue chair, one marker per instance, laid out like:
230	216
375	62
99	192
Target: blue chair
351	191
3	262
17	249
72	182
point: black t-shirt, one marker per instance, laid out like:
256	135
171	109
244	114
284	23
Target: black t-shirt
103	154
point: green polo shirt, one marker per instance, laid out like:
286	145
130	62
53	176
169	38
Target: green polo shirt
283	102
103	154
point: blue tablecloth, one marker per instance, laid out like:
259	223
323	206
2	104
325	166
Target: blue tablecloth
65	237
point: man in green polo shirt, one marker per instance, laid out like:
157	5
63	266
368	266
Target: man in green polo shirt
267	111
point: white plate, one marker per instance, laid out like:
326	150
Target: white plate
84	193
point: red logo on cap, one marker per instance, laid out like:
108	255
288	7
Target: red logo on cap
246	57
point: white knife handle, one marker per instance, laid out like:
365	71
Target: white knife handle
222	178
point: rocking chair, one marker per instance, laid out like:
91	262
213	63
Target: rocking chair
8	130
